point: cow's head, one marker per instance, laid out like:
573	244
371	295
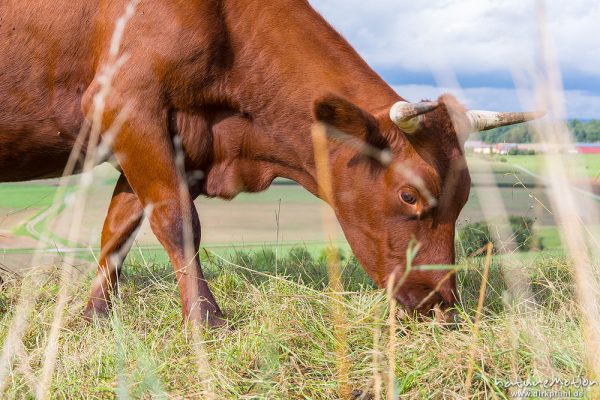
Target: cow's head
400	181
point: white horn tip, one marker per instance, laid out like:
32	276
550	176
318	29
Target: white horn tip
485	120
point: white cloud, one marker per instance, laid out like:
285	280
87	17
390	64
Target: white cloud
475	37
468	36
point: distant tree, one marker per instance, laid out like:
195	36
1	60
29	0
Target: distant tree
588	131
508	134
583	131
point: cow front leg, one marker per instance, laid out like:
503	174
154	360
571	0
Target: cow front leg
145	152
167	221
124	216
171	211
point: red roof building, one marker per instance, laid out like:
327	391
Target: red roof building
588	148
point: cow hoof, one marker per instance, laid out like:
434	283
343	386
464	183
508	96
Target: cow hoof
208	319
216	322
90	313
360	395
213	319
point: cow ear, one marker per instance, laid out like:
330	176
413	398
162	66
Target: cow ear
342	115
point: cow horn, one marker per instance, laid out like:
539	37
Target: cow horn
485	120
407	115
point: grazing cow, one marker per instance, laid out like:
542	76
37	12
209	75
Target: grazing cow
241	83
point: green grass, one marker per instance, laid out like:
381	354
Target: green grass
21	196
550	238
41	194
590	163
279	343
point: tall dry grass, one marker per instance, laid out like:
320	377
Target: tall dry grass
573	212
88	139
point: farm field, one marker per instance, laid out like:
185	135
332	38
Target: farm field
589	164
286	214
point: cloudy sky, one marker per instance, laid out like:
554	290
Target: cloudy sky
423	48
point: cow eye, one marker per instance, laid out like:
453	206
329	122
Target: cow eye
409	198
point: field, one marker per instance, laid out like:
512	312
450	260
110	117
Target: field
265	259
589	164
286	214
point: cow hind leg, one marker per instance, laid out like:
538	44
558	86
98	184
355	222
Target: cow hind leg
124	216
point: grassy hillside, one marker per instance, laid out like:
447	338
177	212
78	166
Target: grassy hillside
280	342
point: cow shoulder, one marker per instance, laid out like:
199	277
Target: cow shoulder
177	47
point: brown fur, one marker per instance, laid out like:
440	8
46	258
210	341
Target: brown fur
241	82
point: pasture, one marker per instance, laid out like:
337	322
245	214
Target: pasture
280	344
266	262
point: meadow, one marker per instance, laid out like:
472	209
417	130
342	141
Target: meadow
279	342
266	261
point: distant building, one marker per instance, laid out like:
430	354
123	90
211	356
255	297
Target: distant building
588	148
472	144
505	148
480	147
477	146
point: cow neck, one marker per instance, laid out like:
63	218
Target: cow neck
280	142
288	56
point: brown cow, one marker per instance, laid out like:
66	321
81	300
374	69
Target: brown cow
241	83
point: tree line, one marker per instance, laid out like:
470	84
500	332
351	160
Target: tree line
584	131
